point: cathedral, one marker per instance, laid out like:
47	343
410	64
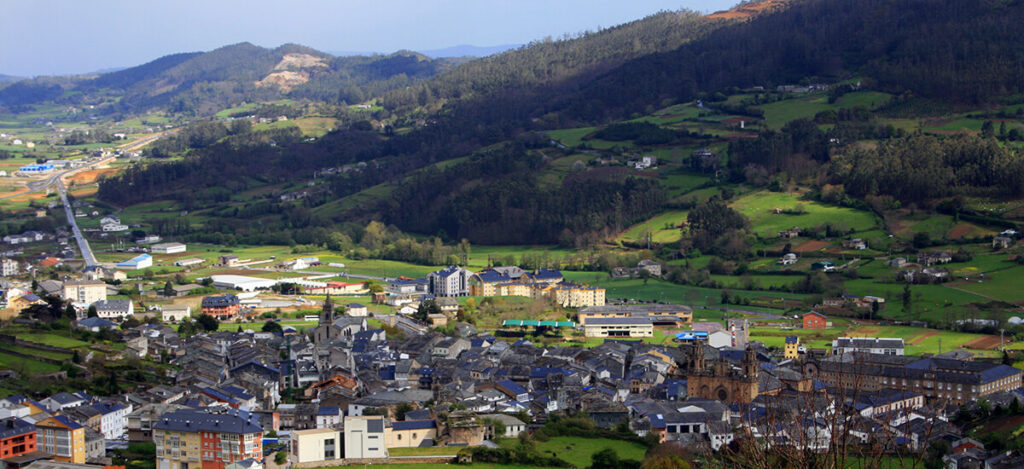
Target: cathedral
720	380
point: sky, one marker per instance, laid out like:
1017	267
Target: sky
59	37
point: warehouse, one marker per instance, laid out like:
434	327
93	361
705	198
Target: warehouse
168	248
241	282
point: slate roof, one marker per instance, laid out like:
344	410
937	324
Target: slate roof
413	425
220	301
112	305
96	322
619	321
189	420
13	427
543	274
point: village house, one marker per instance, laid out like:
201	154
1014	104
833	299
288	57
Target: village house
788	259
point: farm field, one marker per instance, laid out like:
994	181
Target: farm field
662	228
578	451
759	208
1006	285
22	365
918	341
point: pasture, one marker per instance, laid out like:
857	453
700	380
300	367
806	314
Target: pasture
662	228
759	207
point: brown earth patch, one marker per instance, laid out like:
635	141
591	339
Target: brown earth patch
811	246
988	342
746	11
865	330
740	135
959	231
922	337
90	176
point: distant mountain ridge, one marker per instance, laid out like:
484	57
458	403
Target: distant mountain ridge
9	78
466	50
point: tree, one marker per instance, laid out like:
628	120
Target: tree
168	289
272	326
987	129
70	312
426	308
92	312
207	323
282	456
907	299
605	459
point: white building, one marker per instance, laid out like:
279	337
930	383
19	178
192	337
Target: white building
364	438
188	262
318	445
450	281
8	267
881	346
175	313
168	248
241	282
111	227
85	292
114	309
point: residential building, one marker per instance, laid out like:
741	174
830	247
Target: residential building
788	259
339	288
208	438
114	309
881	346
855	243
677	315
450	281
316	445
356	309
95	324
140	422
411	433
8	267
365	437
815	320
17	437
168	248
61	437
513	426
84	292
791	349
224	306
619	327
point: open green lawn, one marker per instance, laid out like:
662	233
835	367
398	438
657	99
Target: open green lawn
918	341
1006	285
578	451
53	340
777	114
35	352
759	207
681	183
571	137
21	365
662	228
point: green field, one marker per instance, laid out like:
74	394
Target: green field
21	365
571	137
578	451
759	207
53	340
777	114
1006	285
662	229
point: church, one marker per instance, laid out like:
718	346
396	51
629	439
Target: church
720	380
332	326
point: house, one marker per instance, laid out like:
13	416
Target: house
1001	242
95	324
114	309
113	227
210	437
316	445
513	426
790	233
223	306
881	346
791	349
365	438
8	267
228	260
450	281
168	248
824	266
356	309
934	257
855	243
788	259
175	313
815	320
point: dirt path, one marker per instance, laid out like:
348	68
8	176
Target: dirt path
923	337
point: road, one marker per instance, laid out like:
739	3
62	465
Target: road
83	244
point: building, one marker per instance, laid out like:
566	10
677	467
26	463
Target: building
224	306
815	320
61	437
8	267
791	349
114	309
356	309
365	437
188	262
175	313
95	324
113	227
485	282
892	346
721	380
950	380
670	314
138	262
788	259
206	438
241	282
17	437
633	326
84	292
411	433
168	248
569	295
316	445
339	288
855	243
450	281
824	266
228	260
1002	242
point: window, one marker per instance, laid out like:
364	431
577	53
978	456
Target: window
398	436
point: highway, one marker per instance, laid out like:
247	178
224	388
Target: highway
83	244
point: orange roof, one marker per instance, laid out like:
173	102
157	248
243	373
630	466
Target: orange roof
49	262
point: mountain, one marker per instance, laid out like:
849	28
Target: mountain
9	78
465	50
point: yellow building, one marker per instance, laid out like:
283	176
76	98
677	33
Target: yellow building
570	295
792	349
62	438
85	292
410	433
316	445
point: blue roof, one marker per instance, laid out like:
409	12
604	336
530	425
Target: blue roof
387	373
238	392
30	297
96	322
354	305
791	339
135	260
15	427
542	274
413	425
71	424
219	396
998	372
209	420
328	410
543	372
220	301
491	276
258	365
